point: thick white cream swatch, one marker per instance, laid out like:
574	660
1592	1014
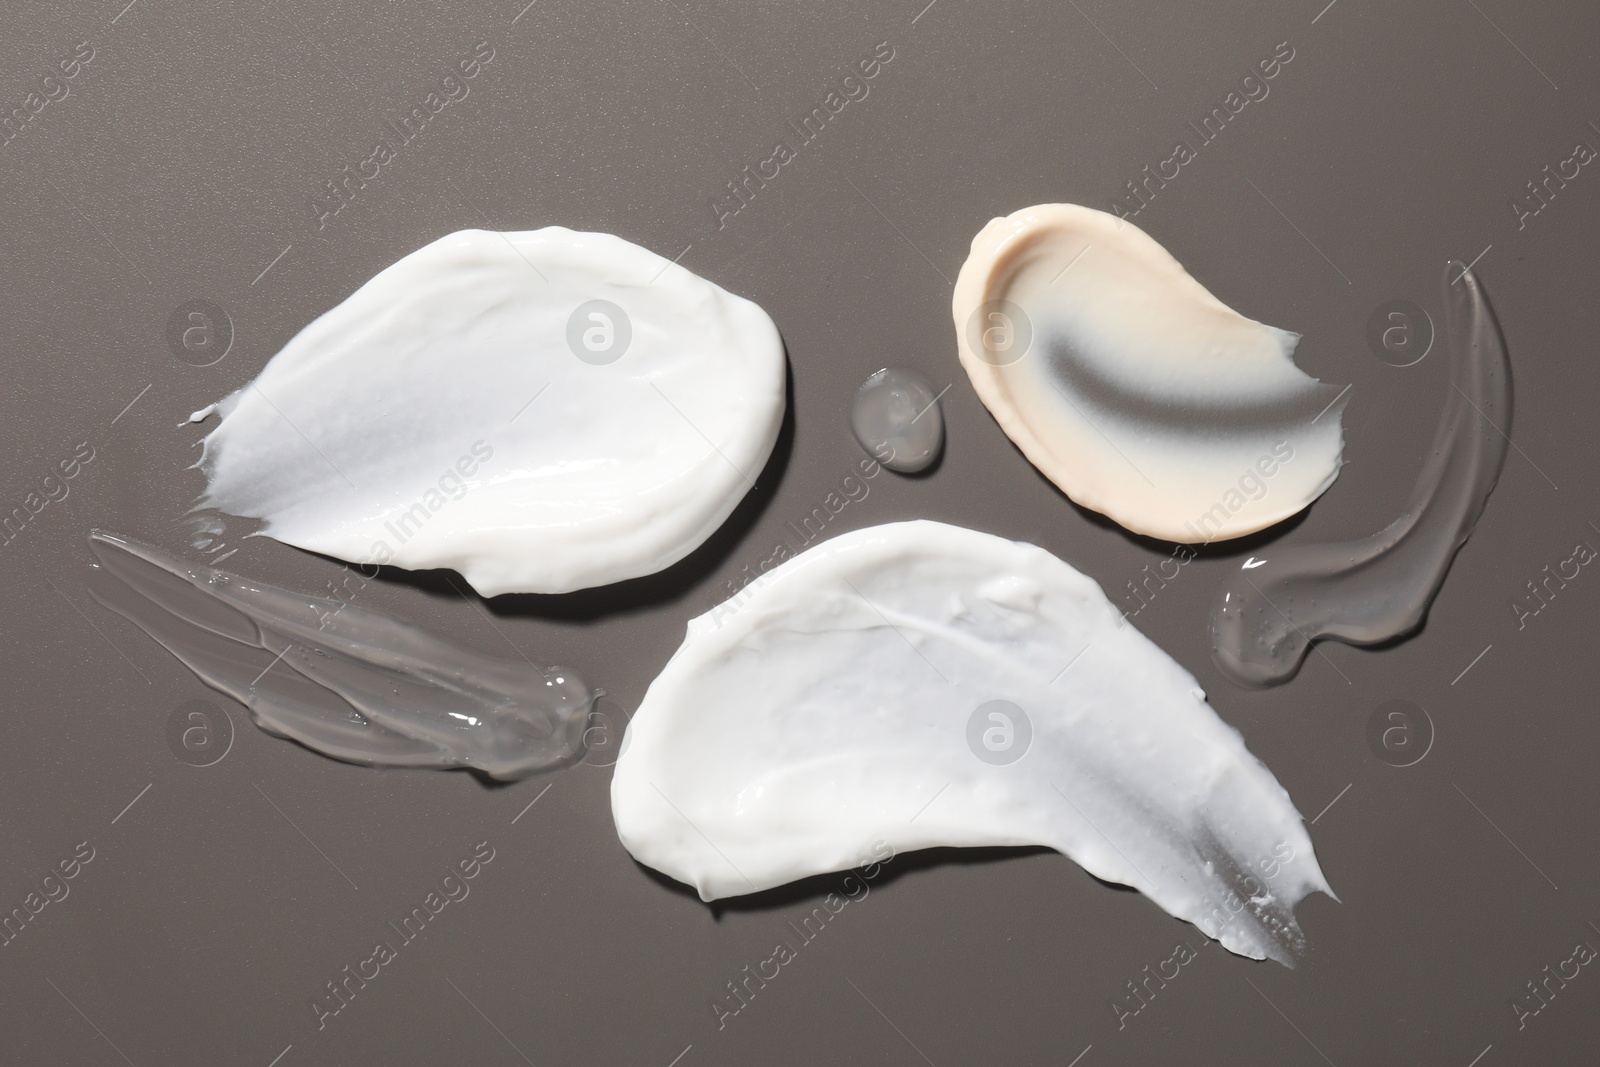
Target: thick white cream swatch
1133	389
847	700
469	407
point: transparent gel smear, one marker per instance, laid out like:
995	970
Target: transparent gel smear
846	702
345	681
1379	587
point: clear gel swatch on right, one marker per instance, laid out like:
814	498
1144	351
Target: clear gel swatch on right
1379	587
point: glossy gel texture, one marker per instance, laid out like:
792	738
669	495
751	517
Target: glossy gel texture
1379	587
341	680
895	416
844	704
542	411
1132	388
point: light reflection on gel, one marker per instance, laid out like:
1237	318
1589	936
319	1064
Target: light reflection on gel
345	681
1379	587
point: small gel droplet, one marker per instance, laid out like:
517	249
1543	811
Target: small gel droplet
895	416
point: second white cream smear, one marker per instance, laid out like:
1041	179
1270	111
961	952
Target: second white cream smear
923	685
542	411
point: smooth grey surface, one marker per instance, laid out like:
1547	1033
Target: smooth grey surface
182	166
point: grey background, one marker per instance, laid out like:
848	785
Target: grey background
183	164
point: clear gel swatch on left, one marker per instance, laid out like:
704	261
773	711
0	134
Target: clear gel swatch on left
345	681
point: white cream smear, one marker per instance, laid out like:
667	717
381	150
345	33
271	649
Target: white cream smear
924	685
1134	390
542	411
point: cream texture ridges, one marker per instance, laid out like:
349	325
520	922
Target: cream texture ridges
542	411
847	704
1134	390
